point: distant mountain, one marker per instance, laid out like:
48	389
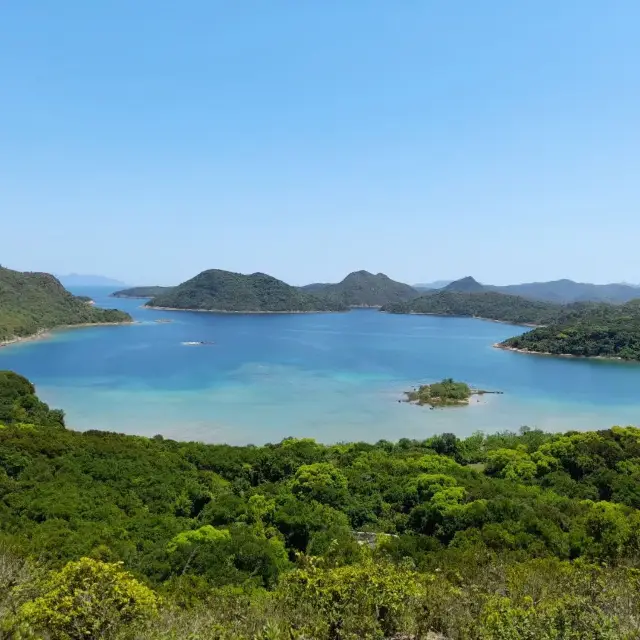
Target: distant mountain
558	291
364	289
490	305
141	292
217	290
465	285
78	280
32	302
569	291
436	284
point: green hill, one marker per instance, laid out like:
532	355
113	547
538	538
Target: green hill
566	291
141	292
465	285
486	304
217	290
31	302
364	289
604	331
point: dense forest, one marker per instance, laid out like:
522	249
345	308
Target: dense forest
493	537
217	290
596	331
31	302
484	304
364	289
141	292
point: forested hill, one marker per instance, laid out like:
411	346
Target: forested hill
605	331
30	302
364	289
558	291
141	292
485	304
217	290
504	536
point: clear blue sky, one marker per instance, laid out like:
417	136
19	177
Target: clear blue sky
427	139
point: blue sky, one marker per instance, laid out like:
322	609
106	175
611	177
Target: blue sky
148	141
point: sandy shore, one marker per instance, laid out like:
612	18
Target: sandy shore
43	334
144	306
498	345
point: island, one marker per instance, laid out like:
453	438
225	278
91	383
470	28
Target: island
141	292
446	393
364	289
226	291
33	303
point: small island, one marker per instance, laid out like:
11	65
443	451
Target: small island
446	393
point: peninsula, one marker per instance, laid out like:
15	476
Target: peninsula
488	305
595	331
226	291
32	303
141	292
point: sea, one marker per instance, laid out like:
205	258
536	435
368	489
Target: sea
333	377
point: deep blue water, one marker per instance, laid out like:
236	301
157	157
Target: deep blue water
329	376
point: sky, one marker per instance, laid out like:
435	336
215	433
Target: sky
426	139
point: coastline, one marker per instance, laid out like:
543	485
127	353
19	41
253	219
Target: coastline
43	334
529	352
451	315
238	312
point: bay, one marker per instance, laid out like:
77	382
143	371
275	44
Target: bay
333	377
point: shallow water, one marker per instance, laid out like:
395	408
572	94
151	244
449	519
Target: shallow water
328	376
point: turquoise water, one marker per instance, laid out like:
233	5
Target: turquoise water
328	376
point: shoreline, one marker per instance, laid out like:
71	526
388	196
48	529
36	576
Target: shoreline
144	306
44	334
451	315
498	345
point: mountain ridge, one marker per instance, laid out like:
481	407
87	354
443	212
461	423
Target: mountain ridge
227	291
364	289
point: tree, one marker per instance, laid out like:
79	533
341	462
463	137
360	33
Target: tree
322	482
88	599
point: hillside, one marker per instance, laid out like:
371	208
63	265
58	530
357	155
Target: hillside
31	302
565	291
217	290
488	304
364	289
465	285
558	291
504	536
141	292
603	331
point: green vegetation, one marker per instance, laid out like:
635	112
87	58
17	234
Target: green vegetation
465	285
217	290
599	331
486	304
441	394
85	299
494	537
364	289
32	302
142	292
558	291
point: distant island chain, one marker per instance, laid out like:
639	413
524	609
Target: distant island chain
565	318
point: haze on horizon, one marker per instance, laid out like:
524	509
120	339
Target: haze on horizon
426	140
